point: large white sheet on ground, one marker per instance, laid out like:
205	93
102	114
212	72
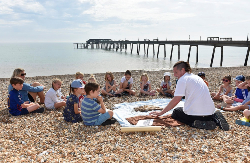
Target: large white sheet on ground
126	110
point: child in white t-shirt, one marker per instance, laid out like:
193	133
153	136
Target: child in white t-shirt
126	85
54	98
165	86
145	85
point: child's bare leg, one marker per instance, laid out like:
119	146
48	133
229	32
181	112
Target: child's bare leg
227	99
59	104
158	90
104	92
145	92
235	108
39	94
132	92
33	107
246	113
110	113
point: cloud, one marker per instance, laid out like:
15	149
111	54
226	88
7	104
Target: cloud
16	22
10	7
130	10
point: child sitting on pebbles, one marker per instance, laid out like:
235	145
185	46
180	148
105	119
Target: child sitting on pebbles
165	86
245	120
145	85
72	112
110	85
15	103
126	85
54	98
92	113
225	89
203	76
240	94
246	103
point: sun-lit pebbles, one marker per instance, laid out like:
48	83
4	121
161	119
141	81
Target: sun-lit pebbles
47	137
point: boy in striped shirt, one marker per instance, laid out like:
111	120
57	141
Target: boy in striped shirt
92	113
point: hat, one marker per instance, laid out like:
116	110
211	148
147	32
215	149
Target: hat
240	78
201	74
167	74
77	84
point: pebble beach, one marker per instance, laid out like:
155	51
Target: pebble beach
46	137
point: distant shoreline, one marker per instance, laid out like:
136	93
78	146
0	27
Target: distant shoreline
169	70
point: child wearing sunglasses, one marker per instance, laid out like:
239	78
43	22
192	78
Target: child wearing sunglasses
225	89
245	104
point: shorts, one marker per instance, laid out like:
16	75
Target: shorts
24	111
102	118
31	98
145	89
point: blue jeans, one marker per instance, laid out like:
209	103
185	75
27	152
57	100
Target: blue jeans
102	118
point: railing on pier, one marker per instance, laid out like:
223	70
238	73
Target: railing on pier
109	44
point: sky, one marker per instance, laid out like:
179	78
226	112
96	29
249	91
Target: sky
80	20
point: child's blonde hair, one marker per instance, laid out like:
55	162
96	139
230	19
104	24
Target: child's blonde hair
144	74
55	81
110	74
78	74
92	77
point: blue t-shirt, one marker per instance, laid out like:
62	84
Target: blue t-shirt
14	102
69	113
241	93
27	88
89	111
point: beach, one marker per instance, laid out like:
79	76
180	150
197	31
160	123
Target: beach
46	137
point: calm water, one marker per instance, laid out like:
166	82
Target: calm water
43	59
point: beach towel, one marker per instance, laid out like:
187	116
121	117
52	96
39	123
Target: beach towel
126	110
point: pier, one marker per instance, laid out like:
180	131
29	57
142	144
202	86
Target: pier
109	44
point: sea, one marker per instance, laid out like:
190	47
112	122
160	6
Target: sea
45	59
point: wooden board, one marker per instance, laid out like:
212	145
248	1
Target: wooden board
138	129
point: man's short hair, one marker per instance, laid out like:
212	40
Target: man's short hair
128	73
91	87
181	64
16	80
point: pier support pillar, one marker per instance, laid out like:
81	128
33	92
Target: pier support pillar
154	50
171	52
212	59
144	49
189	53
179	54
221	56
158	50
147	50
131	47
248	49
197	57
138	49
164	51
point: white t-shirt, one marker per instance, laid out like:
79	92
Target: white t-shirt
124	79
197	97
52	97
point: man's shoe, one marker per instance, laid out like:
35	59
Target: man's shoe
207	125
220	121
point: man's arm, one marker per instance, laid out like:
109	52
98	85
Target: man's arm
170	106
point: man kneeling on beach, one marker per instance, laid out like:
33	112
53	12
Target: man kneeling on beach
198	110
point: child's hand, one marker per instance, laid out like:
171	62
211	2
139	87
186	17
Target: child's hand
99	98
26	102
